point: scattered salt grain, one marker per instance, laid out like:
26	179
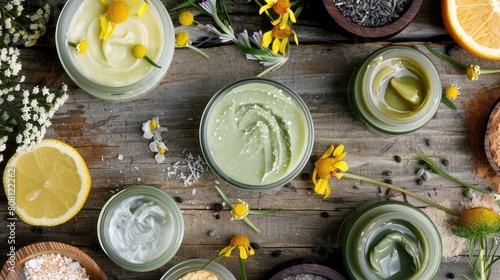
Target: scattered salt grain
54	267
120	157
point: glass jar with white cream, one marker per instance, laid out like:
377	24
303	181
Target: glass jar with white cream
108	68
140	228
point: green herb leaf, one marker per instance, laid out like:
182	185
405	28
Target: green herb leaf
446	58
263	211
440	172
446	101
226	200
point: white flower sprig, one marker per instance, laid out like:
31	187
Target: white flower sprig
25	113
19	26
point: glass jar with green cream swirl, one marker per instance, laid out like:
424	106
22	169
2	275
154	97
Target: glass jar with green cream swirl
256	134
396	90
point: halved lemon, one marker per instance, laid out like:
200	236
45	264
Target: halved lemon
474	25
49	184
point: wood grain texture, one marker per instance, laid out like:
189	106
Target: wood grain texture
318	70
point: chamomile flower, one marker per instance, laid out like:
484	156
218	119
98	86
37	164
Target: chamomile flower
160	148
241	242
152	129
452	91
80	46
118	11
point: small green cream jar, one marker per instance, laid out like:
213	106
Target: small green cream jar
396	90
390	240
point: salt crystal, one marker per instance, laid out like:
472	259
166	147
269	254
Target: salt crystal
120	157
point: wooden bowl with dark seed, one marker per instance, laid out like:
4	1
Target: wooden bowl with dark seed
373	32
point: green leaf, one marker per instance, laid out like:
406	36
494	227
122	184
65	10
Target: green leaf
250	224
440	172
446	58
226	200
446	101
184	5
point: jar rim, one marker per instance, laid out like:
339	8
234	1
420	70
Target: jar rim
303	159
367	110
167	204
120	93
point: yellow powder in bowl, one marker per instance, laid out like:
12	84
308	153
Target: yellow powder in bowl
199	275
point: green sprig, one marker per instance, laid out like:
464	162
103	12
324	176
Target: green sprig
440	172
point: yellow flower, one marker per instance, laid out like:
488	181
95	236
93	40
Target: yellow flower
186	18
452	91
118	11
282	8
473	72
139	51
280	37
330	163
243	244
240	210
80	46
182	39
477	221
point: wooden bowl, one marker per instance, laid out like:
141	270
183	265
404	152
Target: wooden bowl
492	126
28	252
365	33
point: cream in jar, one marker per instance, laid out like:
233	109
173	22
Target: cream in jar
139	230
110	62
257	133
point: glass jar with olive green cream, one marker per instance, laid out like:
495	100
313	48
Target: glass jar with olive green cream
390	240
396	90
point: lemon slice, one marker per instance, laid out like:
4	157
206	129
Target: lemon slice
474	25
51	183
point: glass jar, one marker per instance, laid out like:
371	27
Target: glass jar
256	134
140	228
108	69
396	90
390	240
181	269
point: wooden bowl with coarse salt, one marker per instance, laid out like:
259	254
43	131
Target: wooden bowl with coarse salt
492	138
372	20
13	269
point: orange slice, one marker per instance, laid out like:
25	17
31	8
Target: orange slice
49	184
474	25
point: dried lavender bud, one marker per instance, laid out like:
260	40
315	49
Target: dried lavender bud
450	276
218	207
325	214
179	199
398	158
388	181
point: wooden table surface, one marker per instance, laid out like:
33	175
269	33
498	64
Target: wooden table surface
318	70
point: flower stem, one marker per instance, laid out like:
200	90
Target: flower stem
414	195
242	270
202	53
